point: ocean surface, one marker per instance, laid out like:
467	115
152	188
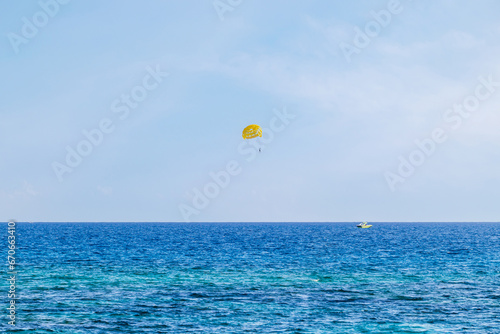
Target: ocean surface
256	278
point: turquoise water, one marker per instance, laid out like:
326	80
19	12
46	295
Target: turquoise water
257	278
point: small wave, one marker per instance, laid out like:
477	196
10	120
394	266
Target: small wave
413	298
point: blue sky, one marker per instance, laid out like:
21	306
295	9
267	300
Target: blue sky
351	118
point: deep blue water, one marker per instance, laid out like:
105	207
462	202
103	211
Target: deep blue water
257	278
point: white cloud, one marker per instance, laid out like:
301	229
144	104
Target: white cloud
26	190
105	190
461	40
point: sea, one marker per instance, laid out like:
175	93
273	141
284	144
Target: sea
254	278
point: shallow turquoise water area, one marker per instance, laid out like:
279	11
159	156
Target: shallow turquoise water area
257	278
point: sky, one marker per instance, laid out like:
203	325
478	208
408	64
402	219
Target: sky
128	111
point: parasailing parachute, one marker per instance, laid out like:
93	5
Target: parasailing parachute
252	131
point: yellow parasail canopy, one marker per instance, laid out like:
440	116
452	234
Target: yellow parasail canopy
252	131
